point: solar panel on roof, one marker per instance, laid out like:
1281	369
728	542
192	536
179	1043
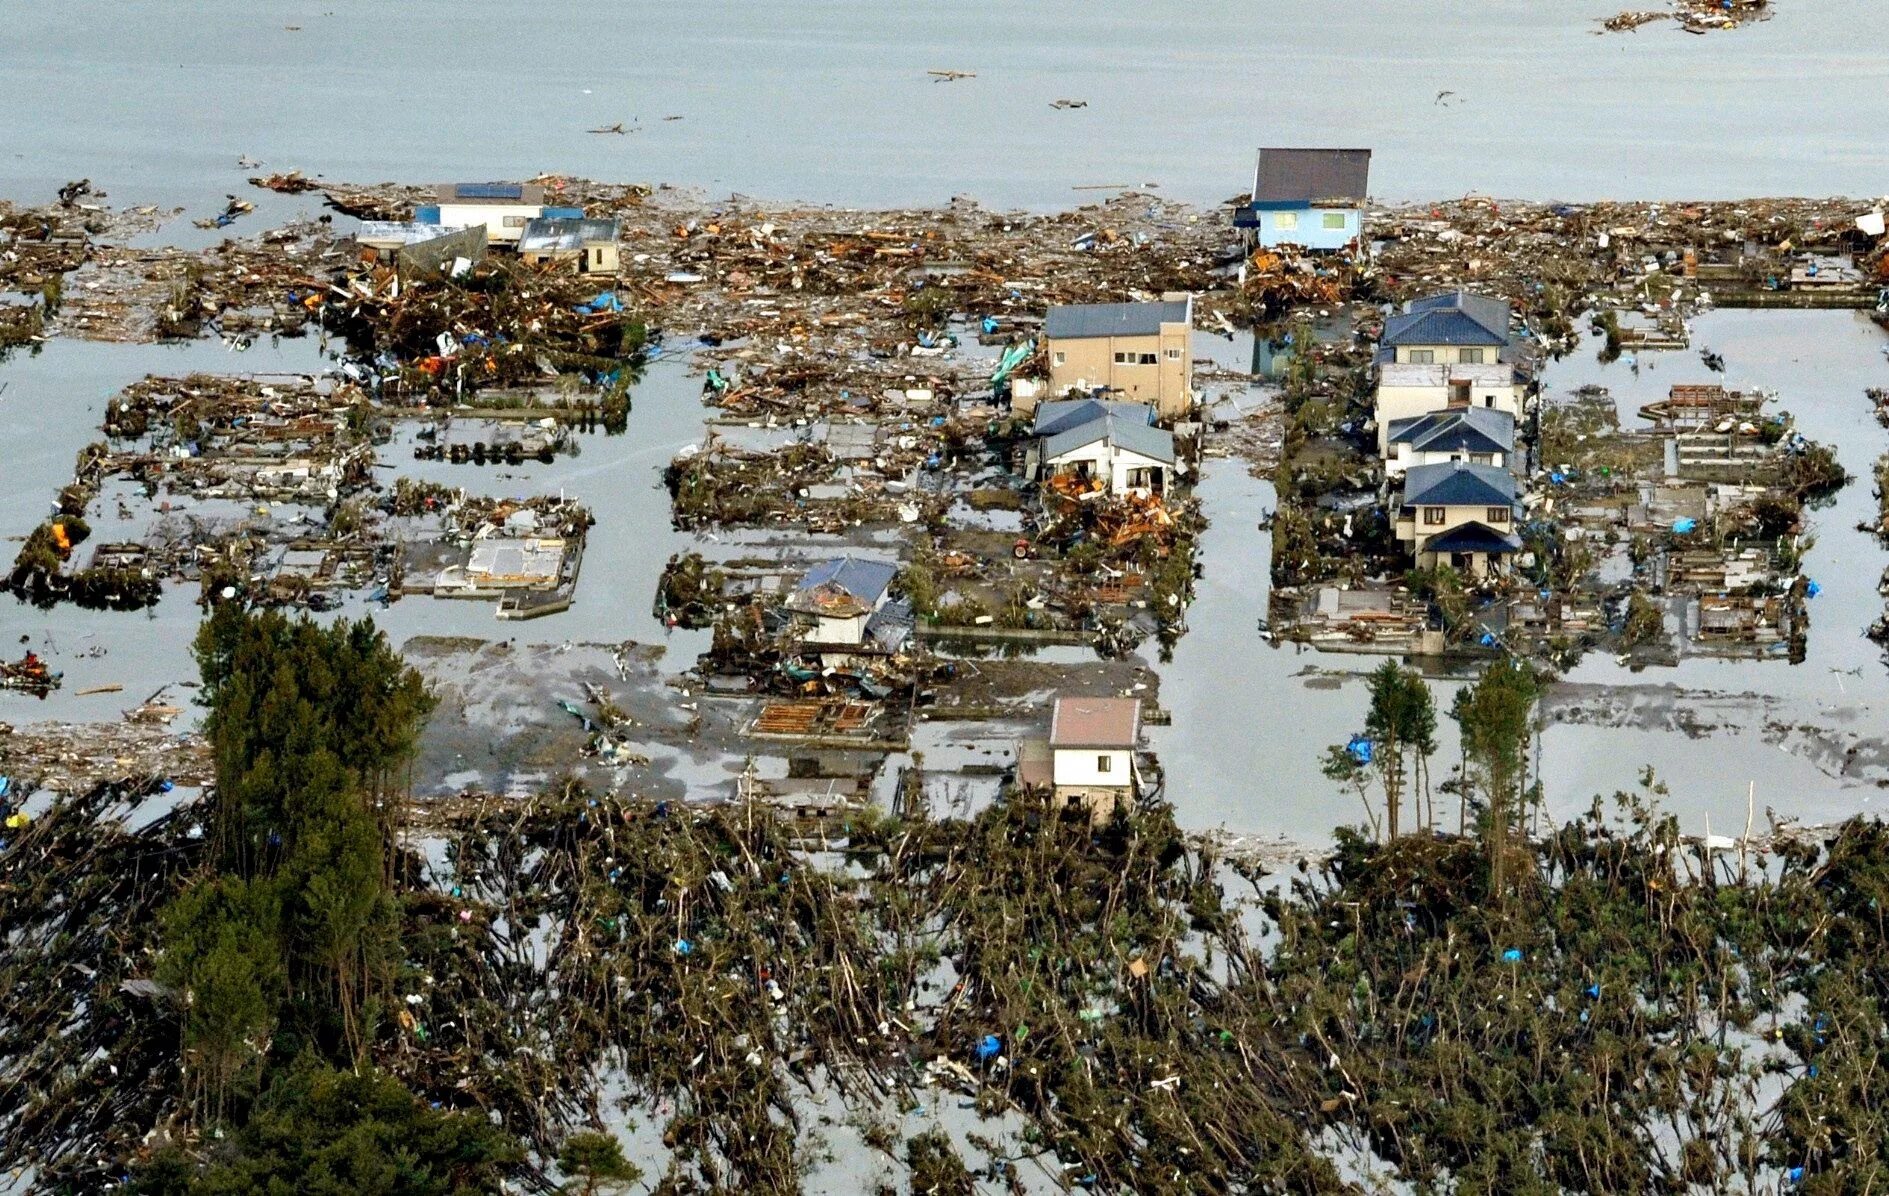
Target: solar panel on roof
490	191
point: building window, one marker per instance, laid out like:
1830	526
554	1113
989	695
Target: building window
1147	359
1062	358
1433	516
1173	354
1335	220
514	222
1285	221
1498	515
1423	357
1121	359
1469	356
1104	764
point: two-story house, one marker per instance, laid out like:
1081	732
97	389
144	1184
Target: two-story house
1461	515
843	610
1307	198
1089	758
1448	350
1139	352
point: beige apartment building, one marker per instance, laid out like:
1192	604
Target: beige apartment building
1138	352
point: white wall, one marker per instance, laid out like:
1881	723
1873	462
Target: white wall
503	221
1078	766
1109	462
1408	402
1405	458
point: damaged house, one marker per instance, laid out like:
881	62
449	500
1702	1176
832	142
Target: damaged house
1091	440
843	611
1307	198
1089	757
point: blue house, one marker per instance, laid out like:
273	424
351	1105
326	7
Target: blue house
1307	198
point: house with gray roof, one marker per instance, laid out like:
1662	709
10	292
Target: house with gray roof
1307	199
1459	514
1478	435
1133	352
1114	445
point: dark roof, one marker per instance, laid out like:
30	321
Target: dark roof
1079	321
1458	484
1453	318
1131	432
1059	415
1462	430
1470	537
1095	723
1304	175
842	586
520	193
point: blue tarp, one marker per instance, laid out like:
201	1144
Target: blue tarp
1360	749
1684	527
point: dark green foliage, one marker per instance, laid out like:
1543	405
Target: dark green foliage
595	1163
319	1131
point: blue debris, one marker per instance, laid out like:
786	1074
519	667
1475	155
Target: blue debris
1814	589
1593	992
1512	955
684	946
989	1047
1684	527
1360	749
989	325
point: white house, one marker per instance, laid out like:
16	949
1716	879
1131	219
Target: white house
1478	435
843	607
1116	443
1447	351
1089	758
1460	515
504	208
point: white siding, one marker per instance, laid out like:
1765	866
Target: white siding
1083	767
503	222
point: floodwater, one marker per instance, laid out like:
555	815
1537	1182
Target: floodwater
1251	720
829	100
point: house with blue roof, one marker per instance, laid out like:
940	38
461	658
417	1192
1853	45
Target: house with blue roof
1478	435
1460	514
843	609
1307	199
1449	351
1113	444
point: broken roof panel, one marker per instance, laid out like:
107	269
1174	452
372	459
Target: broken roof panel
1081	321
822	586
552	234
1312	175
1095	723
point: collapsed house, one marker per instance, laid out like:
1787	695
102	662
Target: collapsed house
844	613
